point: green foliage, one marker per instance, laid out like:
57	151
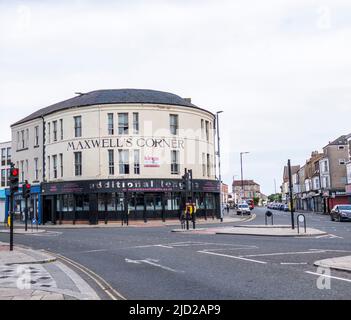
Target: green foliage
256	200
275	197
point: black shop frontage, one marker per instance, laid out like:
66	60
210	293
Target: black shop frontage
94	201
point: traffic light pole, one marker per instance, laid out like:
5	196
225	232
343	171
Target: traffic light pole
11	222
291	196
26	215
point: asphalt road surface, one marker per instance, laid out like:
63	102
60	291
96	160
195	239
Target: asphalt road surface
155	263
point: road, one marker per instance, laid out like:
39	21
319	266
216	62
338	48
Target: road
155	263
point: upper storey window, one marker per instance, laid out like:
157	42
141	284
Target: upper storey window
110	125
36	136
135	123
123	123
78	126
174	123
54	124
207	128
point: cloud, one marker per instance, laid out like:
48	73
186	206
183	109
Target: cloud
280	70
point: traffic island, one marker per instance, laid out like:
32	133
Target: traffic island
22	231
339	263
271	231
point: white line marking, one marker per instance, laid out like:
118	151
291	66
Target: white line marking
323	236
163	246
334	236
232	257
153	263
230	249
292	263
326	276
97	250
283	253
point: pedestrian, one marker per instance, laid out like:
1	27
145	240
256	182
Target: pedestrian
227	208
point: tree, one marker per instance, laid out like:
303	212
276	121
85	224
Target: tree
275	197
256	200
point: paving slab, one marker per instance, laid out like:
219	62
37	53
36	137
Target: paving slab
27	274
339	263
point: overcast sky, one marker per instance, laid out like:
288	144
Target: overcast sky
280	70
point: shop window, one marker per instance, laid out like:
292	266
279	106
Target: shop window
139	201
120	201
82	202
67	202
111	202
149	201
158	202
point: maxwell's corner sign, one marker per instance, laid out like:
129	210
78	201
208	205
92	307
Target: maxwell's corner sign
128	142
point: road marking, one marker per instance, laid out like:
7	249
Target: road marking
45	234
334	236
293	253
164	246
292	263
231	249
188	244
103	284
232	257
97	250
323	236
327	276
283	253
152	262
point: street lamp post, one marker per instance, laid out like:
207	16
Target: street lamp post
219	165
241	167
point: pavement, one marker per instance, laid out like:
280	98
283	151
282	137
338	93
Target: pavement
27	274
228	218
338	263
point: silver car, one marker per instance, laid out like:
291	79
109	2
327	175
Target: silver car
243	209
341	212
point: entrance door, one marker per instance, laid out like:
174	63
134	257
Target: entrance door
154	205
47	210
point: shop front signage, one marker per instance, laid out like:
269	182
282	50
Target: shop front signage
129	142
151	162
127	185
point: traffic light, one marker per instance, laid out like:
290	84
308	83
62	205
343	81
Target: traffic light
185	182
14	174
26	190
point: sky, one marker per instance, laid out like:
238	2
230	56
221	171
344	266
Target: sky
279	69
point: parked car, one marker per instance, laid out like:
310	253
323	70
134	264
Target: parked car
250	203
243	209
286	207
341	212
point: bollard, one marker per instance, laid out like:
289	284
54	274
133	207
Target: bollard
268	214
300	218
